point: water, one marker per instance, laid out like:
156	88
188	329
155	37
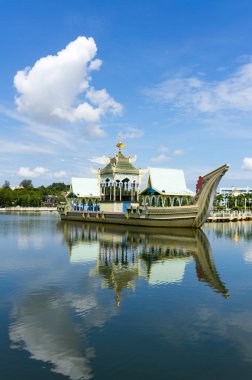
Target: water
98	302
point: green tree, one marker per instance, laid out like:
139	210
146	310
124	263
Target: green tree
26	183
58	186
6	198
248	198
31	196
6	185
218	200
230	199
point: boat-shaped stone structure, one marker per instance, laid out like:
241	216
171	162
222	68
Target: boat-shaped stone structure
193	215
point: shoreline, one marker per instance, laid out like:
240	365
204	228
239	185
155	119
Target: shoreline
28	209
216	217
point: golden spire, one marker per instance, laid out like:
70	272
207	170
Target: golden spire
120	145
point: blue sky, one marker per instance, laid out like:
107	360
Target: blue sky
173	78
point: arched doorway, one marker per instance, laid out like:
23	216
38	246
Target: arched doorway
184	201
176	202
90	205
126	191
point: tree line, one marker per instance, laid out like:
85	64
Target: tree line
26	195
240	202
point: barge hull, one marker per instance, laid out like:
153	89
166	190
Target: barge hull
122	220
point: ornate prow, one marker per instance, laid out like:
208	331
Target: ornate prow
205	195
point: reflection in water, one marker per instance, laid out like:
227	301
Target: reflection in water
126	253
248	255
236	231
53	322
29	229
44	328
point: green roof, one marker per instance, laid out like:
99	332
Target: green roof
120	163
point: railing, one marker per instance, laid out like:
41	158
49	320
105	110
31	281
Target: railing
222	216
231	213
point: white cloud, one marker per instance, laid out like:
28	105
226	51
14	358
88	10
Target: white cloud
103	100
103	160
40	171
60	174
247	163
163	149
93	171
7	146
161	158
95	131
53	135
131	133
33	173
57	88
178	152
231	94
133	159
95	65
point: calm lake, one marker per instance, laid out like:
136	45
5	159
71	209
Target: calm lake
86	301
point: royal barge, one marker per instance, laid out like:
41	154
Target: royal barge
192	215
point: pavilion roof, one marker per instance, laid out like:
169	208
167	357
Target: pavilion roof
120	164
165	181
85	187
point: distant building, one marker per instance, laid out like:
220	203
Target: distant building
225	191
50	200
17	187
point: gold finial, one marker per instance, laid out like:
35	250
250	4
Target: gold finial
120	145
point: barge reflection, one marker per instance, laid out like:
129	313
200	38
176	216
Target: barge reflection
57	313
124	254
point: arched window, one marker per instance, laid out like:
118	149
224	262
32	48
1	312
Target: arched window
147	201
160	203
184	201
153	202
167	202
176	202
125	183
